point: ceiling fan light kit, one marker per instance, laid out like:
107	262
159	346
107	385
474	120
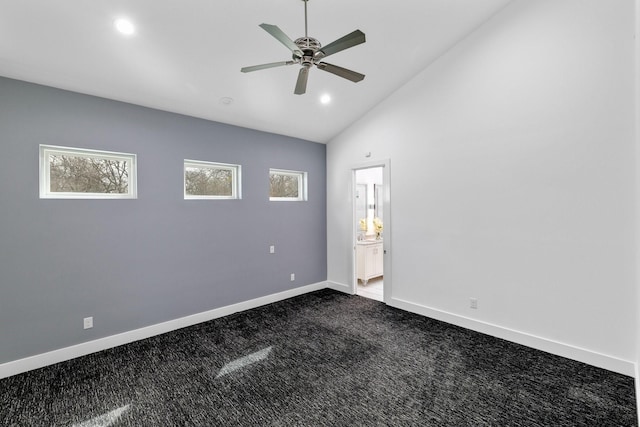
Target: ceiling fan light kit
307	52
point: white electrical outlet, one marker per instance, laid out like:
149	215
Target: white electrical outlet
88	322
473	303
272	249
293	277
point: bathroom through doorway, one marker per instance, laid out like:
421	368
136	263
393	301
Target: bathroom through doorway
369	227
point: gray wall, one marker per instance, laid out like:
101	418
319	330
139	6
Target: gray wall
133	263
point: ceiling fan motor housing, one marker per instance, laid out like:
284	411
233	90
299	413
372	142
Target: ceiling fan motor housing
309	46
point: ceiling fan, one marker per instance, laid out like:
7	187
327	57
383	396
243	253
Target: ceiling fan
308	52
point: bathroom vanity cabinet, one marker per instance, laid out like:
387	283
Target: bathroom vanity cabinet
369	259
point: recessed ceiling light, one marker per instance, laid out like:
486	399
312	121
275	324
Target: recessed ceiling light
124	26
325	99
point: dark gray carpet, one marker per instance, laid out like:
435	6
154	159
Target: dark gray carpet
322	359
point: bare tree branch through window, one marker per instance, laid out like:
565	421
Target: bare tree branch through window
208	180
287	185
80	173
283	186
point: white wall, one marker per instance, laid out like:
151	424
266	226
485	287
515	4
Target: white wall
512	181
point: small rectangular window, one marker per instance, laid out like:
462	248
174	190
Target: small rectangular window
208	180
287	185
76	173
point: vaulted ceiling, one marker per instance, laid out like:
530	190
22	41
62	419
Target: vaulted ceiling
185	56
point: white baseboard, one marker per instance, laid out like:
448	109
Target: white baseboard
340	287
637	383
604	361
45	359
611	363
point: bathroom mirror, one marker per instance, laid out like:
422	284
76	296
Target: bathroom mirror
361	207
378	201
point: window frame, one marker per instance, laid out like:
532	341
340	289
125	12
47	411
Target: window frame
45	172
236	179
302	185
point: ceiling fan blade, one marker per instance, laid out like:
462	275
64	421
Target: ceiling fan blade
352	39
265	66
342	72
301	84
282	38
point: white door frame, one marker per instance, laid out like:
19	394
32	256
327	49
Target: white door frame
385	164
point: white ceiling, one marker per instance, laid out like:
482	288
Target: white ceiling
186	55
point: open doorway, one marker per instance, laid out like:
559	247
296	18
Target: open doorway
369	228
